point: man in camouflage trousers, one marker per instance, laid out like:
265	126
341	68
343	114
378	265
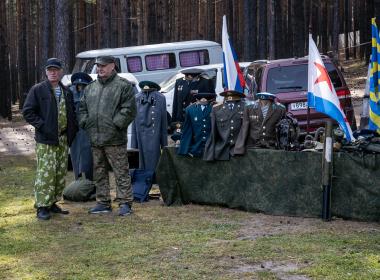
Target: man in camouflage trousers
107	108
49	107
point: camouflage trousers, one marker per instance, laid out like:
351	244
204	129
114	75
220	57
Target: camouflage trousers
118	159
51	172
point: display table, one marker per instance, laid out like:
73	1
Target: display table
274	182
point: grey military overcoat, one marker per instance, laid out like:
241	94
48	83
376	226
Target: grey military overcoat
149	130
225	127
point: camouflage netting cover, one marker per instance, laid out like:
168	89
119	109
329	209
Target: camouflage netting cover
274	182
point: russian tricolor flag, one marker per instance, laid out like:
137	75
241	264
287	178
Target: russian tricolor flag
233	78
321	92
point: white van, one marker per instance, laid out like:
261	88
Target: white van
154	62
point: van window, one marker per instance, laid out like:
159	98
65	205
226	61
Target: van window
134	64
193	58
160	61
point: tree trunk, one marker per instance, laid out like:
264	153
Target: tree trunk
5	93
262	44
346	29
271	28
249	37
104	23
335	36
210	21
22	7
62	32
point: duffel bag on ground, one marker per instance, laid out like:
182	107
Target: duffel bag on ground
80	190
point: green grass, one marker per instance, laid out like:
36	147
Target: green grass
159	242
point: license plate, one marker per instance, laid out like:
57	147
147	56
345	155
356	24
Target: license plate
298	106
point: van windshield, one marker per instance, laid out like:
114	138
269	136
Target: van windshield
84	65
294	78
169	83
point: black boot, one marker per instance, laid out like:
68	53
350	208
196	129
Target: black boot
56	209
43	213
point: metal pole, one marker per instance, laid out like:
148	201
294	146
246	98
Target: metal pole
326	172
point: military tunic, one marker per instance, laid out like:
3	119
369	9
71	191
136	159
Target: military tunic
149	130
196	130
225	127
183	94
257	131
80	150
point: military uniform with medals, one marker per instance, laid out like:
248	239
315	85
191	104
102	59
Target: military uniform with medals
226	120
185	89
257	130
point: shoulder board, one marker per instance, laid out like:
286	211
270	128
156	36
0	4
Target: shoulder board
217	105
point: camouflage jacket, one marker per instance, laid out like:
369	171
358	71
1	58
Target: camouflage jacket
106	110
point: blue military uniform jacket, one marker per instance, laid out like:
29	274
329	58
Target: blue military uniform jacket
225	128
196	130
149	130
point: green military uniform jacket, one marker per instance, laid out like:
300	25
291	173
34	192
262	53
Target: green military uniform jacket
107	108
225	127
257	131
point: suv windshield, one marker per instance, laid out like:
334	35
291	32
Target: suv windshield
294	78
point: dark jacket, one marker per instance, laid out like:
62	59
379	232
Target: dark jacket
41	111
225	127
257	131
106	110
196	130
184	91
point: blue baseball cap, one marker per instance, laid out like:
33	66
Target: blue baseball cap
53	62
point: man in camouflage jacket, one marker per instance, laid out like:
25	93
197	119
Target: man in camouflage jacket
107	108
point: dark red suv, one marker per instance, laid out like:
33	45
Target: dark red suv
287	78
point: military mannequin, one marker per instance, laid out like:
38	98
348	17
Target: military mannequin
259	123
149	130
197	126
184	91
226	120
80	150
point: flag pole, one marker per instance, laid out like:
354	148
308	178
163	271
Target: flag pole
308	107
326	172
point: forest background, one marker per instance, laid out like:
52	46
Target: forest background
33	30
